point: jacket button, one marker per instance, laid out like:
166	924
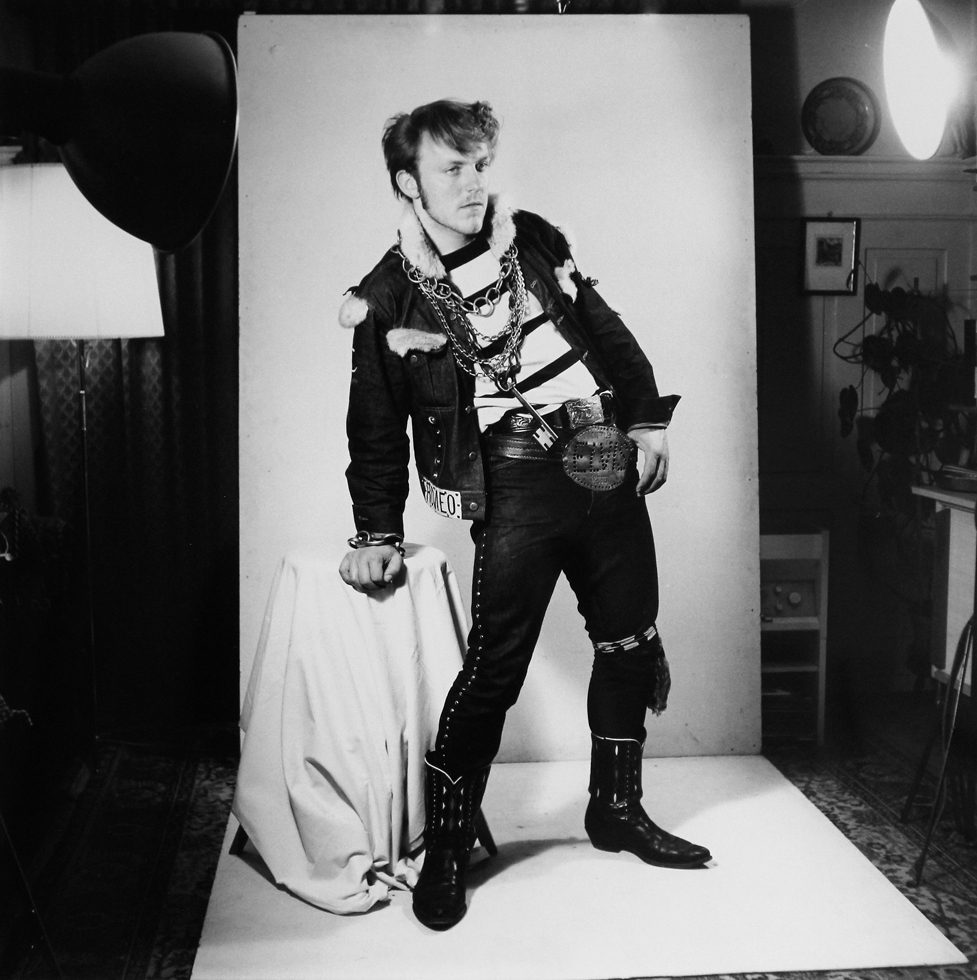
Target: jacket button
413	358
473	506
469	409
432	420
473	455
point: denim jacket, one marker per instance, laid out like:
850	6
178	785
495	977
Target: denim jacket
403	367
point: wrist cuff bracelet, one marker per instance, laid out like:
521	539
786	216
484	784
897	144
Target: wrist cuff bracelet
370	539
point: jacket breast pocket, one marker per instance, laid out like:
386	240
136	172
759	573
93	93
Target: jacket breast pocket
432	378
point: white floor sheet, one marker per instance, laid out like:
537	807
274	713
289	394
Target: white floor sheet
786	891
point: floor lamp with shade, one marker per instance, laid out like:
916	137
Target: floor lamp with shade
67	273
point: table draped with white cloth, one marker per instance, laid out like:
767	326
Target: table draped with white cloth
342	704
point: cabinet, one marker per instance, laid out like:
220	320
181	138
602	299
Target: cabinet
793	634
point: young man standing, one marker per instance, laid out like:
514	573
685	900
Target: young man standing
528	397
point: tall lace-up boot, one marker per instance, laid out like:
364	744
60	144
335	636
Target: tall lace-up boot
449	835
615	819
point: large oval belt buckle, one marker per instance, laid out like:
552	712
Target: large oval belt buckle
598	457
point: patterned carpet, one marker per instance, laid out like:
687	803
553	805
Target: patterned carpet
124	893
863	794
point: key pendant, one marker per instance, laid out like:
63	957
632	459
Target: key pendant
543	434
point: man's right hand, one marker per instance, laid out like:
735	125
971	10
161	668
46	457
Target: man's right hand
370	569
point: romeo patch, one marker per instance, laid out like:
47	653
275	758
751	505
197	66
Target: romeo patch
446	502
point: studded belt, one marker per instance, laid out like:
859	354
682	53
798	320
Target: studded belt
572	414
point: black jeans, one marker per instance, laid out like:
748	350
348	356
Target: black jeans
540	523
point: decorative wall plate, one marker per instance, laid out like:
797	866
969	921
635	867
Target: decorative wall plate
840	116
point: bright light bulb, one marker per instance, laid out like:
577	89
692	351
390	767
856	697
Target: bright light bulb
920	80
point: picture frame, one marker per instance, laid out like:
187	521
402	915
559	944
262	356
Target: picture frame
831	256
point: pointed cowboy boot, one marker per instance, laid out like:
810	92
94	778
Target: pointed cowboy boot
449	835
615	819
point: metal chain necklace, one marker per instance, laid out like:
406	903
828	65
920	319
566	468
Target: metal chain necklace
502	367
483	306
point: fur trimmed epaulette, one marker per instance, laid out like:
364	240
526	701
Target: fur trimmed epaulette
353	311
402	340
563	277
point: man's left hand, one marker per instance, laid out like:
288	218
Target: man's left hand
653	444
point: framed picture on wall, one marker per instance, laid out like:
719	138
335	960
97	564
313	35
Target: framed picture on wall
831	256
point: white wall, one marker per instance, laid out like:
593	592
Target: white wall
631	131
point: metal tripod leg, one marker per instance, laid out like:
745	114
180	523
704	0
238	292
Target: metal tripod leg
37	924
920	774
483	833
961	661
239	843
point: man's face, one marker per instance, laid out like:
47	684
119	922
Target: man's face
451	188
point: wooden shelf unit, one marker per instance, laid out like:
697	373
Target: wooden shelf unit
793	634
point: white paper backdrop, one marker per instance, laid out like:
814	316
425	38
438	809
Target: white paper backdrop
633	134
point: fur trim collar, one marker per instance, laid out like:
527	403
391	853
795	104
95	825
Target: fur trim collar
419	250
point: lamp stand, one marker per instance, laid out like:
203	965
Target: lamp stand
87	539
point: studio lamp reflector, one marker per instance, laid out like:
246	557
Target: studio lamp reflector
146	129
921	81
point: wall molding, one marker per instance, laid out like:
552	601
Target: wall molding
812	166
872	188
